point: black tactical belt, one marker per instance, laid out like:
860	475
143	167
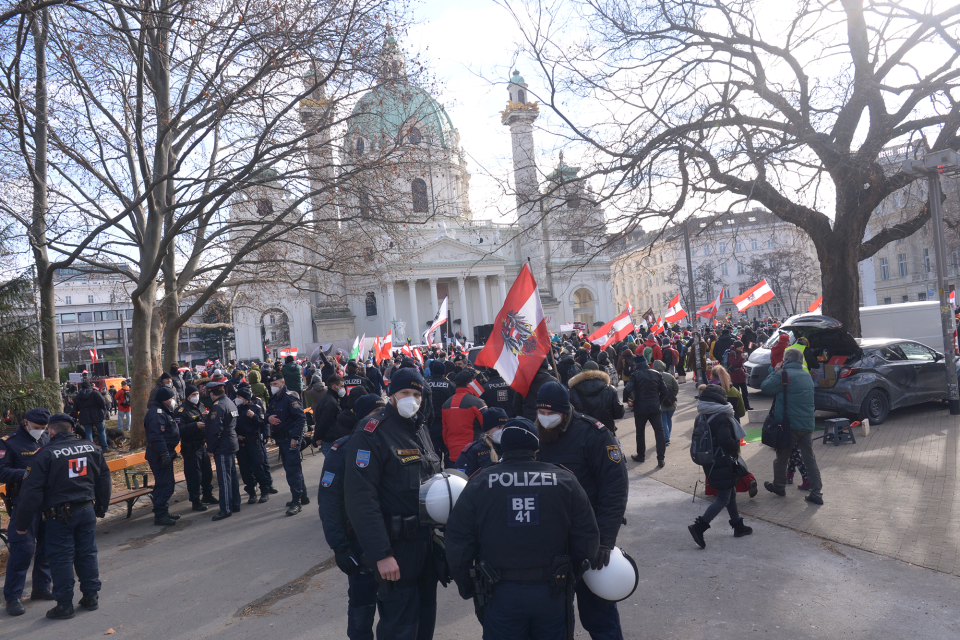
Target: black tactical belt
77	505
526	575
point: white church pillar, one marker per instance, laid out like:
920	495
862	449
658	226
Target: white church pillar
434	303
502	283
391	305
415	330
484	317
462	290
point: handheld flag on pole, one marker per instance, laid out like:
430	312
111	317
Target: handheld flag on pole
355	350
710	310
376	349
438	321
93	355
620	326
475	388
818	304
757	294
519	342
675	312
387	346
629	308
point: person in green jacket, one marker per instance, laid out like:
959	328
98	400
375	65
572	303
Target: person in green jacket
258	389
800	411
667	409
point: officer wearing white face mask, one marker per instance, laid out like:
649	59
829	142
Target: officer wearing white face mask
288	422
485	450
588	449
389	455
196	464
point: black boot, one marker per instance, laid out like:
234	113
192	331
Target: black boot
264	496
90	601
294	506
271	490
221	515
199	506
43	594
740	529
360	621
253	498
15	608
697	529
304	499
63	611
173	516
164	520
209	499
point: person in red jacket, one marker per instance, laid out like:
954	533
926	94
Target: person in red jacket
650	342
738	375
462	415
776	353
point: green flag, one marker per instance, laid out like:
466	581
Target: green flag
356	349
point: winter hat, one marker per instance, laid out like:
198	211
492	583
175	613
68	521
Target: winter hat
405	378
519	434
245	393
437	368
553	396
463	378
591	366
367	404
164	394
713	393
494	417
38	416
648	354
189	389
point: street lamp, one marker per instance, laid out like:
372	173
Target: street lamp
932	165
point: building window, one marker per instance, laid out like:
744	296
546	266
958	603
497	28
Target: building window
884	269
418	189
573	202
129	314
887	301
577	246
905	299
770	243
902	262
415	137
371	304
926	260
69	300
741	268
360	146
68	318
922	296
108	337
723	247
85	317
739	246
706	249
753	244
723	269
522	96
89	299
901	240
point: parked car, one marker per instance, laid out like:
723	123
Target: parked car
875	376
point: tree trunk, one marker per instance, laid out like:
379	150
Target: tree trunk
840	279
143	362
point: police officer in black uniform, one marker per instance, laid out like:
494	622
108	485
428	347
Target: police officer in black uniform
69	480
387	459
497	392
485	450
222	445
353	376
250	425
287	422
441	390
163	436
585	447
16	452
528	526
196	462
362	590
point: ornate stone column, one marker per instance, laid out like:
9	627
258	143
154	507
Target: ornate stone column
484	317
502	283
434	303
415	331
391	305
462	289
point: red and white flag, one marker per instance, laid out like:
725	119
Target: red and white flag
418	355
93	355
387	346
288	352
629	308
438	321
818	304
710	310
520	341
376	349
953	299
757	294
657	328
475	388
616	329
675	313
267	349
405	350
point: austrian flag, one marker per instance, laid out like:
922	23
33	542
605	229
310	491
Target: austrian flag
757	294
675	312
619	326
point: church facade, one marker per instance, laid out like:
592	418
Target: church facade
448	253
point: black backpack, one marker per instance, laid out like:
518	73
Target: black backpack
702	451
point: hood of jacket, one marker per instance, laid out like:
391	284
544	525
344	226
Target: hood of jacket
253	377
317	387
710	407
590	382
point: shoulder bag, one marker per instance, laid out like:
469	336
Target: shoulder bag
776	433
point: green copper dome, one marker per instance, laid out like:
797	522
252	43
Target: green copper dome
517	78
385	113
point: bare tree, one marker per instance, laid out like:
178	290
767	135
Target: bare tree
789	274
706	105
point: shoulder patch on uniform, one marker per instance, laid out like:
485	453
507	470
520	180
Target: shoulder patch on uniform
159	410
3	452
5	438
334	446
599	425
363	458
327	479
293	393
295	404
613	452
371	425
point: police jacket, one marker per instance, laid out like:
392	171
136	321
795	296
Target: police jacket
374	376
462	420
286	406
66	470
250	429
590	451
160	429
526	406
16	452
645	387
187	416
441	390
591	394
357	380
386	461
221	432
90	406
479	454
333	512
497	393
519	515
346	421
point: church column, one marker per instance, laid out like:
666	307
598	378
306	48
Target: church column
415	330
391	305
434	303
484	317
462	289
502	283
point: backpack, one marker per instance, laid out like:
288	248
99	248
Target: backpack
725	359
702	451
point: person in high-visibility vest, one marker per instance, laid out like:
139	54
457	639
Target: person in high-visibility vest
800	345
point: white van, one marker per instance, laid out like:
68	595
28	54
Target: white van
919	321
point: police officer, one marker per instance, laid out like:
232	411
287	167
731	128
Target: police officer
362	590
497	392
353	376
441	390
529	527
264	437
222	445
196	463
589	450
250	425
387	459
16	453
485	450
287	421
163	436
69	480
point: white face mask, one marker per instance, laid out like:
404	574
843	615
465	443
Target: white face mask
275	390
342	391
36	433
549	422
195	399
172	405
239	401
496	435
408	407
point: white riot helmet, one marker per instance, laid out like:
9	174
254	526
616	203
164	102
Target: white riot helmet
615	582
439	493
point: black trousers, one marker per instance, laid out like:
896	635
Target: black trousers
228	482
656	421
742	388
197	470
73	547
163	483
408	611
250	461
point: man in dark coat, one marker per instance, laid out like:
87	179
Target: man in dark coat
92	410
592	395
643	393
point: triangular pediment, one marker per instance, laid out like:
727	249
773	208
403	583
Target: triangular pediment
451	252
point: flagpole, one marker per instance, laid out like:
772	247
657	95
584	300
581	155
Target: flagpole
701	375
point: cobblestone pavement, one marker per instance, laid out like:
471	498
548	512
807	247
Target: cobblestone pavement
893	492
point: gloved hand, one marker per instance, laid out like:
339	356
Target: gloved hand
100	512
165	460
174	455
602	559
345	560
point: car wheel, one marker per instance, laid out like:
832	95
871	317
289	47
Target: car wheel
875	407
